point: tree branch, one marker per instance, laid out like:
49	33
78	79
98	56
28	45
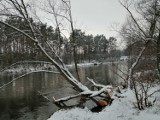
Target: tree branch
44	62
27	74
126	7
95	84
67	98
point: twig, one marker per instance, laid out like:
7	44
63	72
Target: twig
154	93
45	97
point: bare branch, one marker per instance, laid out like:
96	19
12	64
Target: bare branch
18	30
127	8
27	74
21	8
136	62
67	98
44	62
95	84
154	93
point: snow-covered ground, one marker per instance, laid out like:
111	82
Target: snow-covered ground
121	109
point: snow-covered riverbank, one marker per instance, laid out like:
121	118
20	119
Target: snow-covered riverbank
121	109
29	68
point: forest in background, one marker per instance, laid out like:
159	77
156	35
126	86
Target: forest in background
16	46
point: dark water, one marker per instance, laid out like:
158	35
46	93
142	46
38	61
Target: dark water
21	101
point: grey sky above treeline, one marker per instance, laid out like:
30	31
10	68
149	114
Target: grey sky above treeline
97	16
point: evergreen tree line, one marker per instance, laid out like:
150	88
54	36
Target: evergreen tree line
15	46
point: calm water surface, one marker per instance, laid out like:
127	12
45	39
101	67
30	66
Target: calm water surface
21	101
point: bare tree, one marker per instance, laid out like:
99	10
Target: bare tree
146	36
62	10
143	30
73	36
21	9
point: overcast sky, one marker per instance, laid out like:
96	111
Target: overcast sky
97	16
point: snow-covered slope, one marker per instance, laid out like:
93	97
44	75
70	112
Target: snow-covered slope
121	109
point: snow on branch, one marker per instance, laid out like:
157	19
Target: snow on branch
88	93
60	60
136	62
27	74
107	89
18	30
104	88
67	98
95	84
63	70
84	90
19	62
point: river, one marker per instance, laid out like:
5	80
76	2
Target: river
21	100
